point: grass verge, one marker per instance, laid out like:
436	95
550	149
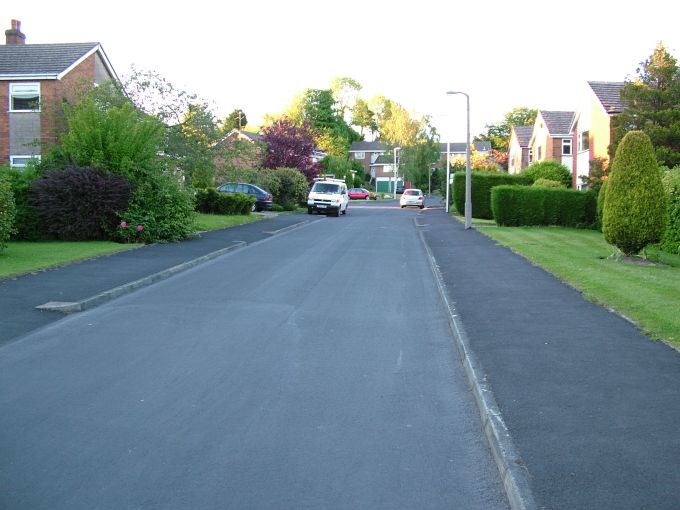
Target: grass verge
216	221
25	257
642	290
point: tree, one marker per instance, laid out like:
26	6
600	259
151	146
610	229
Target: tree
499	134
652	105
363	117
397	127
193	144
291	146
235	120
635	204
345	92
417	160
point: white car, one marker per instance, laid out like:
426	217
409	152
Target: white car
328	196
412	196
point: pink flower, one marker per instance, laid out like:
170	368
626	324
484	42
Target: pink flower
139	228
123	224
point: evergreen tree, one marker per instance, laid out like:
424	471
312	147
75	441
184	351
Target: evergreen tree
635	203
652	105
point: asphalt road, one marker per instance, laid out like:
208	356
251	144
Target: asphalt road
311	370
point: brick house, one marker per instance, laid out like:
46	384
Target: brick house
591	126
376	164
34	80
519	152
551	137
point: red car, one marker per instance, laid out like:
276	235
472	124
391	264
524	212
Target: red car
360	194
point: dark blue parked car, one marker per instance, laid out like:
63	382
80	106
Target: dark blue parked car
263	199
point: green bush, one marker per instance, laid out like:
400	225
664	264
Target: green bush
635	204
7	210
547	183
530	205
211	201
549	169
481	185
27	221
294	188
159	211
670	241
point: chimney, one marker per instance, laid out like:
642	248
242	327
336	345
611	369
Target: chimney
14	35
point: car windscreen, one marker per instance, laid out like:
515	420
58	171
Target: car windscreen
325	187
411	192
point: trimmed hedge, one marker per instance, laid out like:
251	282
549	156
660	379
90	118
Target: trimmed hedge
549	169
527	205
211	201
670	241
482	184
27	221
7	210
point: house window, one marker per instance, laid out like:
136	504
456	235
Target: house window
359	155
21	161
24	97
566	146
531	155
584	141
538	153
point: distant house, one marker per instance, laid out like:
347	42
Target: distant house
591	126
34	80
551	137
458	151
519	151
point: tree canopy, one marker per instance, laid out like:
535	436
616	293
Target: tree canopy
291	146
652	105
235	120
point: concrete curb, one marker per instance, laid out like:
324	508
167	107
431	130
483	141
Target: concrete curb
510	465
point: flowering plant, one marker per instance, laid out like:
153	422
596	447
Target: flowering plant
129	233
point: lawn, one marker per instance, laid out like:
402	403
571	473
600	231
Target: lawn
25	257
648	293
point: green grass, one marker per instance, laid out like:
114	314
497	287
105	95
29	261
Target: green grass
215	221
26	257
649	294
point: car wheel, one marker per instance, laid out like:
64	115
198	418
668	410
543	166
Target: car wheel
309	210
253	208
367	197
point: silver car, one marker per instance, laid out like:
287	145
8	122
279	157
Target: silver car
412	197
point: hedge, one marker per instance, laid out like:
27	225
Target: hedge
671	237
211	201
7	210
527	205
482	184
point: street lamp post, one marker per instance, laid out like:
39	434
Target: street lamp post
468	178
395	170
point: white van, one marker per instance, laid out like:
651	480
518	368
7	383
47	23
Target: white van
328	196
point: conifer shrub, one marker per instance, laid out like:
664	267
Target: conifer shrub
481	185
549	169
635	203
601	195
7	210
78	204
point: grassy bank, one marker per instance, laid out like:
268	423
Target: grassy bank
646	291
26	257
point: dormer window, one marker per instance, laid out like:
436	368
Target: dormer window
24	97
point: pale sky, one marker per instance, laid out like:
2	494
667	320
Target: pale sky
256	55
